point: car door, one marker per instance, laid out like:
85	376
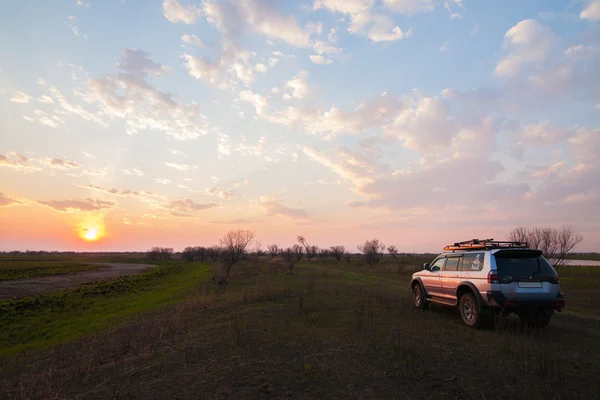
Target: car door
432	278
450	277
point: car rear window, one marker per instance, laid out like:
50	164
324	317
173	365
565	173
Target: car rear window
472	261
523	265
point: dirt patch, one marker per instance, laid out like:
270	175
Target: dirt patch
43	284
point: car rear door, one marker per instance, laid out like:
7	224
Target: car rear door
432	279
450	277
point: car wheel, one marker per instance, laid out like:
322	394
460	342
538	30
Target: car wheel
419	298
469	310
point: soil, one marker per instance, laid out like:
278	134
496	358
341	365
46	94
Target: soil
43	284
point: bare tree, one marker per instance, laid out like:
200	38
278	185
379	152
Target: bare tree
257	252
160	253
324	254
297	249
393	251
372	251
311	251
289	256
554	243
234	245
273	250
347	256
337	252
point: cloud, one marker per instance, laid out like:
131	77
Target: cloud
128	95
163	181
409	7
195	41
274	208
187	205
224	145
235	221
90	172
548	171
364	21
175	12
259	102
591	11
59	163
7	201
45	99
444	47
133	172
20	97
526	42
71	205
298	86
180	167
581	51
318	59
18	162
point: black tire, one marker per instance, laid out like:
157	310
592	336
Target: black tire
469	310
419	299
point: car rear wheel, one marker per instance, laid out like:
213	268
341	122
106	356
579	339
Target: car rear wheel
419	298
469	310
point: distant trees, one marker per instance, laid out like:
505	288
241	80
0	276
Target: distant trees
555	243
347	256
233	246
392	251
372	251
290	257
160	253
257	252
273	250
197	253
311	250
297	250
337	252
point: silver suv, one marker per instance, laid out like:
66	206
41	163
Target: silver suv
485	276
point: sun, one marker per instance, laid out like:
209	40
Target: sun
91	234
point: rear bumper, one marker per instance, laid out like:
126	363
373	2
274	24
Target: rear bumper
497	299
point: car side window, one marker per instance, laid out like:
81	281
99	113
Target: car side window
452	264
473	261
438	264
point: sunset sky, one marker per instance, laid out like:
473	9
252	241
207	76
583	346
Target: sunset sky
419	122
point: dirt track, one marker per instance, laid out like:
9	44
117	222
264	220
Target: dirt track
35	286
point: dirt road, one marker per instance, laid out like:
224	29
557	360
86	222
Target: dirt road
35	286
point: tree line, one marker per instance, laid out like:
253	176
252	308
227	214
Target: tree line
555	244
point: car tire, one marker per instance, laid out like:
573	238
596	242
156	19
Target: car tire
419	299
469	310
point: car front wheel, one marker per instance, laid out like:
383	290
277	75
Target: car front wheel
419	297
469	310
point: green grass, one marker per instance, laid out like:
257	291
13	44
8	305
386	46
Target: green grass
58	317
11	268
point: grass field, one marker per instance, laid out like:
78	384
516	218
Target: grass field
26	267
330	330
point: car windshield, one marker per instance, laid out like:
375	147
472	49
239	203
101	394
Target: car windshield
523	265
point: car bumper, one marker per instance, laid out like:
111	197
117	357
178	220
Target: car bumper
497	299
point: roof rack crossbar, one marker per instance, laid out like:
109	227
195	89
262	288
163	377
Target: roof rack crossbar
483	244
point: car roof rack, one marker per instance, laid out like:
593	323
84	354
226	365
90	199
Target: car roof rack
484	244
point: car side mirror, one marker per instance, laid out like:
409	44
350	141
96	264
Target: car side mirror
427	267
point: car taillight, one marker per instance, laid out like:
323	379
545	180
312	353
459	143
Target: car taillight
559	304
493	277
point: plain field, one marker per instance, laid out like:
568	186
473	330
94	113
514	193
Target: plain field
330	330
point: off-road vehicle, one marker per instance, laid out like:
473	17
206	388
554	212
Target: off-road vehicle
483	277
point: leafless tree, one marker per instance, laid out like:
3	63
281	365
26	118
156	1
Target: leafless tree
298	251
347	256
324	254
257	252
213	253
197	253
556	244
337	252
372	251
289	256
311	251
393	251
273	250
160	253
234	245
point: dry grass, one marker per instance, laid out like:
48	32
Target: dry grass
328	331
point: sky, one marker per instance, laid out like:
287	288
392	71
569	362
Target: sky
126	124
